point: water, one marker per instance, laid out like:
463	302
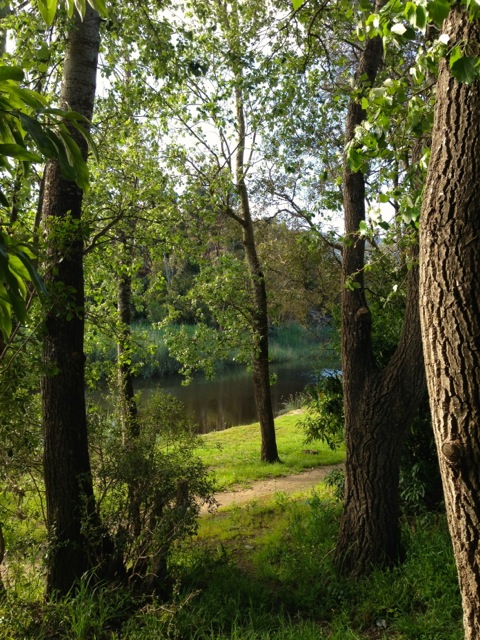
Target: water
228	400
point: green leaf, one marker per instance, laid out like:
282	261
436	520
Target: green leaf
19	152
70	7
68	172
75	159
99	5
81	7
5	319
3	200
39	134
48	9
356	160
32	272
438	10
420	18
11	73
18	268
29	97
297	4
464	69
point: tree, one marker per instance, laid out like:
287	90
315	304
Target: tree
222	80
379	402
449	268
71	512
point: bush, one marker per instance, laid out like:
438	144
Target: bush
151	489
324	419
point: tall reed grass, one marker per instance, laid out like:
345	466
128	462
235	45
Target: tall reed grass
151	358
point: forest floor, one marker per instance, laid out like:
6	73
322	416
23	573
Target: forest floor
265	489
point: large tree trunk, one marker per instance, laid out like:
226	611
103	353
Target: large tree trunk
379	404
68	482
450	304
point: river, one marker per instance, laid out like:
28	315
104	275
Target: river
228	399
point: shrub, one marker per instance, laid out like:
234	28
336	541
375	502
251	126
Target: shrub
151	489
324	419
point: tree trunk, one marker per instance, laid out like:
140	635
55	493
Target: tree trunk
450	304
379	403
261	366
68	481
127	404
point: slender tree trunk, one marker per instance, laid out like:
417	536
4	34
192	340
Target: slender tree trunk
450	304
379	403
261	366
68	481
127	404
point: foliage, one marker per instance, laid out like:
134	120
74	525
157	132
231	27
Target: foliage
170	484
265	572
27	120
324	417
420	482
336	480
48	8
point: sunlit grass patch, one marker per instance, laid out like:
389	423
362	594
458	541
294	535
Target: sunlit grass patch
234	454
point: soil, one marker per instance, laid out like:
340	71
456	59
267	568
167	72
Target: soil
267	488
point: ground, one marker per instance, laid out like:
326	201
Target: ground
267	488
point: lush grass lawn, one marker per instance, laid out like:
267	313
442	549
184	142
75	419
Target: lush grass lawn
234	454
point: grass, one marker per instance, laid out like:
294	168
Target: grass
265	571
291	341
151	357
233	455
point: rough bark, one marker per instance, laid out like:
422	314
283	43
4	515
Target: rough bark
450	308
379	403
68	482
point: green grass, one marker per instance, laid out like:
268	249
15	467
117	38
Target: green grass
151	357
234	454
265	571
291	341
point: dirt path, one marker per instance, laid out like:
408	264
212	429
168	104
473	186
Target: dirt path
267	488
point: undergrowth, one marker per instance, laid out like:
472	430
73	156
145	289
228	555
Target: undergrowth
265	572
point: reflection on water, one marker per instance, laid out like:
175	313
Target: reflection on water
228	400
